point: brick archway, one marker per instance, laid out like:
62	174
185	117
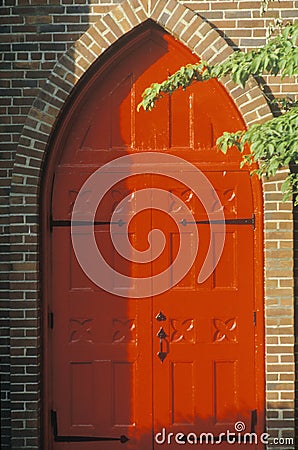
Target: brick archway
33	150
179	21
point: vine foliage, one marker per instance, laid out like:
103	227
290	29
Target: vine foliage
273	144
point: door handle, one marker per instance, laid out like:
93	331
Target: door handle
162	338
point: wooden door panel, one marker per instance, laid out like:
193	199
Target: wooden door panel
99	367
204	383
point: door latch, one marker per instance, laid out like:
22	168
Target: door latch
160	317
162	338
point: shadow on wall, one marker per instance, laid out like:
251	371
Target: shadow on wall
34	35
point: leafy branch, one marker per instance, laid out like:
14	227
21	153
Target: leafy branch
278	56
273	144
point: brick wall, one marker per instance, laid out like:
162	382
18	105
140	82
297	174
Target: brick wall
279	317
35	34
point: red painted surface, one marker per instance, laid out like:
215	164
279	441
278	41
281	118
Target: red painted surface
105	378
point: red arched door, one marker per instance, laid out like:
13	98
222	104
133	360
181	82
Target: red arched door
127	370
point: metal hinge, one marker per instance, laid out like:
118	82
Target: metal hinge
83	223
51	320
245	221
123	439
254	420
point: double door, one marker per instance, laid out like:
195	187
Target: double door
136	372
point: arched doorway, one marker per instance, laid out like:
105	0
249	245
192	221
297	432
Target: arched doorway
123	367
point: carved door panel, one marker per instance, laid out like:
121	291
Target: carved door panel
101	343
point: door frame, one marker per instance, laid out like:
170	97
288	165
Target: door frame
129	40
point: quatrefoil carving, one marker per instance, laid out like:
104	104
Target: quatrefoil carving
118	195
227	200
183	330
124	331
81	330
225	330
86	195
186	196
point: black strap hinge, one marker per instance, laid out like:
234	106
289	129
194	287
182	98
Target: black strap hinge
246	221
255	318
83	223
123	439
120	222
254	420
